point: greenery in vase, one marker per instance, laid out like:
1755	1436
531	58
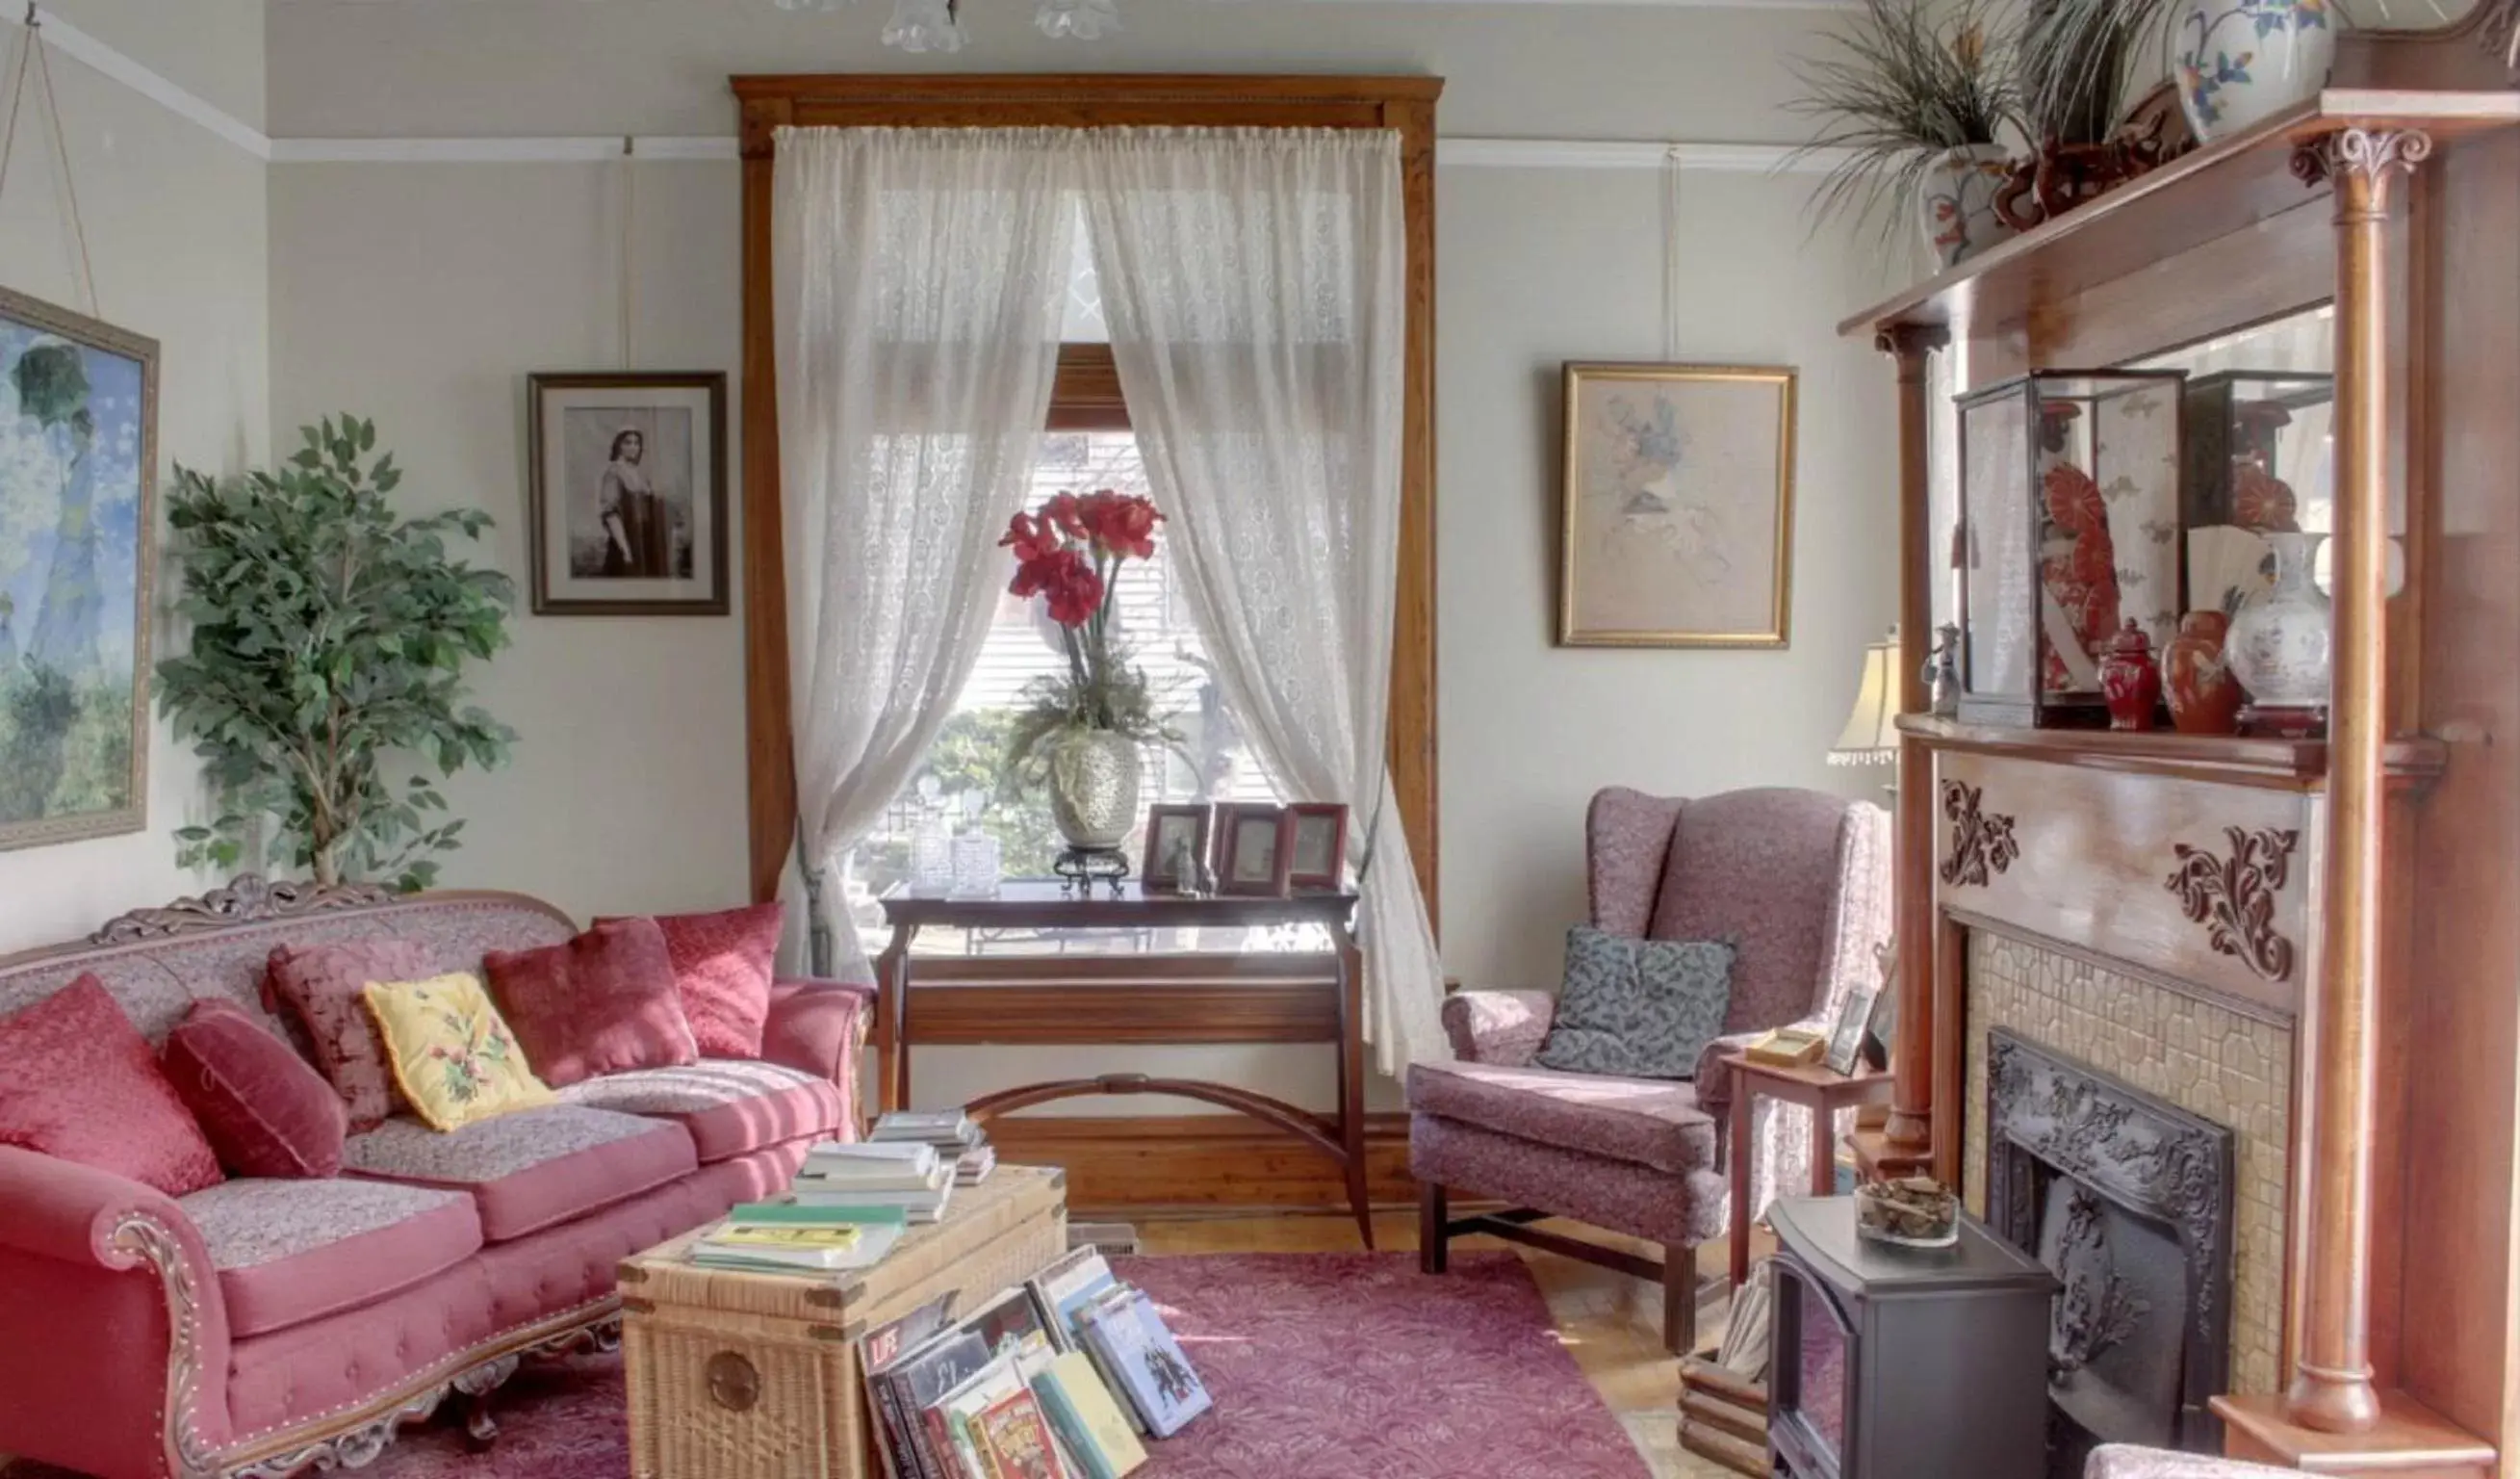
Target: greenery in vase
1904	88
329	643
1069	553
2076	59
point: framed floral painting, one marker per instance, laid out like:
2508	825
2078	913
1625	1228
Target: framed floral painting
78	519
1679	506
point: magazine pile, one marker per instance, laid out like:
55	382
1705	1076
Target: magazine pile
1061	1377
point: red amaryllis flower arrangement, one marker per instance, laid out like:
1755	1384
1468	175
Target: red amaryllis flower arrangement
1069	552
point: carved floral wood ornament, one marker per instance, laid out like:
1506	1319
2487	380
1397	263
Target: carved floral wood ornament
1982	842
2234	897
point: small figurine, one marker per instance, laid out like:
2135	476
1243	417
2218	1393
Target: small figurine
1943	673
2204	694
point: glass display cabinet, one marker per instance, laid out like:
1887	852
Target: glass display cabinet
2069	521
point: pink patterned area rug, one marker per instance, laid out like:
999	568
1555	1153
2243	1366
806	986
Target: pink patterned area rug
1341	1366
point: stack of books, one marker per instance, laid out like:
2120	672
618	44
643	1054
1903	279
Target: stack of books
954	1135
904	1174
781	1237
1054	1379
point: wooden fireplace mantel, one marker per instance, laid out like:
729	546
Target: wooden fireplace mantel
2364	886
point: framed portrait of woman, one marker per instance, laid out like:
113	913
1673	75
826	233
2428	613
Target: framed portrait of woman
626	481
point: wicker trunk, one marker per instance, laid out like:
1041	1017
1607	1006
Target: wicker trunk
755	1375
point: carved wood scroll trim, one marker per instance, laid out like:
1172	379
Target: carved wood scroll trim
1982	842
247	899
2234	897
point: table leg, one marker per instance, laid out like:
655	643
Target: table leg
892	1008
1351	1080
1739	1152
1824	1149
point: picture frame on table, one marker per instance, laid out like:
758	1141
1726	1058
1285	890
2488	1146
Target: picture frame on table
1254	844
626	494
1884	1030
1678	505
1316	847
1845	1034
1176	843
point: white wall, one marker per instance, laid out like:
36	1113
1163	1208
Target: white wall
176	224
423	293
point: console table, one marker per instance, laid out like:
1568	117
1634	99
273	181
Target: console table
1249	997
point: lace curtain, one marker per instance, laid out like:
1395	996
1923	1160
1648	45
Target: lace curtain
919	276
1253	285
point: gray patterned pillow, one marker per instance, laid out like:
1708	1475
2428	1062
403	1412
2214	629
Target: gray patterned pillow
1637	1009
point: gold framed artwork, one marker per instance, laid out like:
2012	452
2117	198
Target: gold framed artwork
1677	502
78	527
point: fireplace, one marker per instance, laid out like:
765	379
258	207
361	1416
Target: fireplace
2128	1199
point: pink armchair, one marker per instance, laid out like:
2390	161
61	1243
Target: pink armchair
1799	884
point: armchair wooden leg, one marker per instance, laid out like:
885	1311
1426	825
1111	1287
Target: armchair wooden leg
1678	1299
1432	1238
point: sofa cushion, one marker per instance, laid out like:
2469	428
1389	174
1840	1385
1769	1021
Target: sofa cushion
321	985
723	966
731	1107
534	1168
453	1055
77	1081
289	1252
602	1004
267	1111
1651	1122
1643	1008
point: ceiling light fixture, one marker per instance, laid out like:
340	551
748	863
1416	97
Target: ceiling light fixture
937	24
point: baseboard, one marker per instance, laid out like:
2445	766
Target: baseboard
1208	1163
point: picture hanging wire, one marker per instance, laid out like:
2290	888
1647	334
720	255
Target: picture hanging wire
1671	255
31	50
629	268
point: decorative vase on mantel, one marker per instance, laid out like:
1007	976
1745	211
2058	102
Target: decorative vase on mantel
2278	646
2238	62
2196	677
1093	788
1956	201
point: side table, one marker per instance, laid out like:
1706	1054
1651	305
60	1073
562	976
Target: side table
1822	1090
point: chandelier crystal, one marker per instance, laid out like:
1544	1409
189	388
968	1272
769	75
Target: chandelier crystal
937	24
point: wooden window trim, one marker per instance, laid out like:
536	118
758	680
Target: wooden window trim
1085	396
1402	105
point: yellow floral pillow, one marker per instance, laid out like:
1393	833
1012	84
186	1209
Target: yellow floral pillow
451	1052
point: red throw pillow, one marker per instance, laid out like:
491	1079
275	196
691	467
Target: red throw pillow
267	1111
321	985
602	1004
77	1081
723	964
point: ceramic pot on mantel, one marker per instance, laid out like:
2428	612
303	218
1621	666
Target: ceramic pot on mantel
1956	201
2129	681
1093	788
2237	62
2204	697
2279	646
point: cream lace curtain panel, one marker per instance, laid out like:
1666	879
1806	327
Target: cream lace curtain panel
919	278
1252	280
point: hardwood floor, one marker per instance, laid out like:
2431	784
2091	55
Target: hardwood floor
1610	1322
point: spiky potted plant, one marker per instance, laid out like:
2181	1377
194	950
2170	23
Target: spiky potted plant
1916	104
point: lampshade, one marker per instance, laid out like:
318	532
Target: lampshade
1871	734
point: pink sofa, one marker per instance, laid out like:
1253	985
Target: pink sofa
262	1328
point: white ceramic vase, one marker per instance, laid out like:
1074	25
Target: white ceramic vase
2278	645
2241	62
1956	201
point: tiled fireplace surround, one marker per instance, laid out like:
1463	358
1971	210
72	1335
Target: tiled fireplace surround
2219	1064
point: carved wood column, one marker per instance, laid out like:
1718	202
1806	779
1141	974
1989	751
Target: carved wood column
2331	1386
1912	1106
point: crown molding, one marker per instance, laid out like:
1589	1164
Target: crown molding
1451	152
78	45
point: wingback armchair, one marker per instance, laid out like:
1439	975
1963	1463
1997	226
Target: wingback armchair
1799	884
